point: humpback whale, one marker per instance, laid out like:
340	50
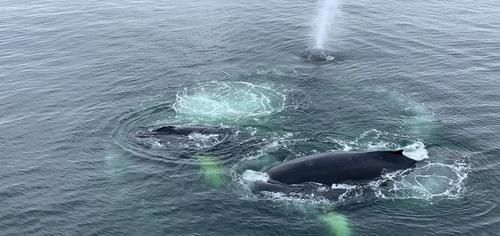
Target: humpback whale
333	167
317	55
182	130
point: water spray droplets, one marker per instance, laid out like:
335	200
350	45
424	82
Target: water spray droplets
326	14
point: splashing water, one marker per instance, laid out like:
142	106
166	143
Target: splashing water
416	151
252	176
433	180
327	11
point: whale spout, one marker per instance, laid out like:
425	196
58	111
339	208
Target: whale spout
317	55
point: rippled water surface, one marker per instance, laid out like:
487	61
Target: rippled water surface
80	78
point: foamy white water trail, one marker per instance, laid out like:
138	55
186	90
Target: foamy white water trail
328	9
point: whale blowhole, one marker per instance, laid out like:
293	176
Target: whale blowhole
318	55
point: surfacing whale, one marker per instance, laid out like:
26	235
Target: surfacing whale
183	130
317	55
333	167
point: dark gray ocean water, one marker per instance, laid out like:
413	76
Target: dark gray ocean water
79	78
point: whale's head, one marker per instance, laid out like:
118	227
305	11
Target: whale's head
317	55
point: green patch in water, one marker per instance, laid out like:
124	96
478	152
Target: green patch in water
211	172
337	224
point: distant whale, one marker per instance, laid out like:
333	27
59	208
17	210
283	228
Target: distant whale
317	55
183	130
333	167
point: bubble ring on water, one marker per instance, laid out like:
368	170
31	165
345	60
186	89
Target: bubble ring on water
228	102
150	148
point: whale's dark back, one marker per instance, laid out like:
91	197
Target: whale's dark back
335	167
184	130
316	55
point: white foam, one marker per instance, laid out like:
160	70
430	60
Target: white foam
343	186
434	180
253	176
416	151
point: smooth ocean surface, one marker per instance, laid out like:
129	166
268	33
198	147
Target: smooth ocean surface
78	78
